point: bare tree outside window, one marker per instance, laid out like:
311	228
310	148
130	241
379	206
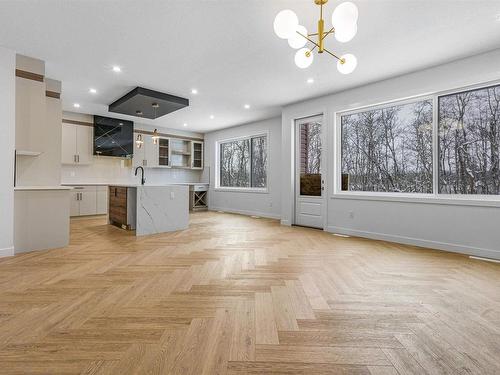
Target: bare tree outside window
469	142
388	149
243	163
310	158
235	163
259	162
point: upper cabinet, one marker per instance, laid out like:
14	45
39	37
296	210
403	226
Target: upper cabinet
148	154
76	144
197	155
168	152
181	153
164	152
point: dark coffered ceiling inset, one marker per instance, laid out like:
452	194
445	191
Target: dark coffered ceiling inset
145	103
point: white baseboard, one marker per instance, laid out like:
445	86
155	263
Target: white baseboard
246	212
7	252
454	248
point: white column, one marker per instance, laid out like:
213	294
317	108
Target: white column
7	149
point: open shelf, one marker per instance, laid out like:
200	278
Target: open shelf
27	153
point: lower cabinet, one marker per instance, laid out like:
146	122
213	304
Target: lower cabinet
89	200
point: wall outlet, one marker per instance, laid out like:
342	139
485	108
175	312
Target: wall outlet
172	195
351	215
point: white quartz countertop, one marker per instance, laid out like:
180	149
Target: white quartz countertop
57	187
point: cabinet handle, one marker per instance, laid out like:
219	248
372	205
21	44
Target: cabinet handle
78	157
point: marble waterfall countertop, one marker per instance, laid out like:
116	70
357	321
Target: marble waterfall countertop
157	208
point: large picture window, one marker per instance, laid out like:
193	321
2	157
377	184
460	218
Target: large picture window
388	149
243	163
469	142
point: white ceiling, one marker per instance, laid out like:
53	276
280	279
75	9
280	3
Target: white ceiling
228	51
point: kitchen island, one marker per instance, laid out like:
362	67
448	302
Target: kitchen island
149	209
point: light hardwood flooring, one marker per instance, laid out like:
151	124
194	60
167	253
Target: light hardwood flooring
239	295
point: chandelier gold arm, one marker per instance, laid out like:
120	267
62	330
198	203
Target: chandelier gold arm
325	34
342	61
332	30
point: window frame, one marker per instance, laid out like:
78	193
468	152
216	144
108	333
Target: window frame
435	196
218	143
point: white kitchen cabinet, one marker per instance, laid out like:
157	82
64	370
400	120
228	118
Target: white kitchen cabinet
68	144
74	206
77	143
196	155
148	154
84	144
139	154
89	200
102	200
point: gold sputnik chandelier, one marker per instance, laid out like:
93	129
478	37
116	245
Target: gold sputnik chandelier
344	28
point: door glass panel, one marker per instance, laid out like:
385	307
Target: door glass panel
310	158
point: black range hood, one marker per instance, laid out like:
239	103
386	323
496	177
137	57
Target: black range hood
145	103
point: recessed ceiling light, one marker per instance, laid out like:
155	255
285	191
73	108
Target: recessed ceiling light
310	80
212	117
247	106
117	69
194	91
185	124
93	91
76	105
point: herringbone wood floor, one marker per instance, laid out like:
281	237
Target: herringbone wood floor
238	295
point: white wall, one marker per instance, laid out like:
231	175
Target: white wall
250	203
38	119
116	170
463	228
7	144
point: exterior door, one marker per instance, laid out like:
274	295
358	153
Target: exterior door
309	179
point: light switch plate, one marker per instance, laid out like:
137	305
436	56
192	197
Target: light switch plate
172	195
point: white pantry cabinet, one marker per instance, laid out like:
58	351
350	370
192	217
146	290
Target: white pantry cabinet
76	144
89	200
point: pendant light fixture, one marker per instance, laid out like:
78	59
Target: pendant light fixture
138	141
155	135
344	28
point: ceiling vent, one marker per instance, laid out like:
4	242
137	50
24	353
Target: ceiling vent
145	103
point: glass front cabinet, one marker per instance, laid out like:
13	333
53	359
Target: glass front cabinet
164	152
167	152
196	155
